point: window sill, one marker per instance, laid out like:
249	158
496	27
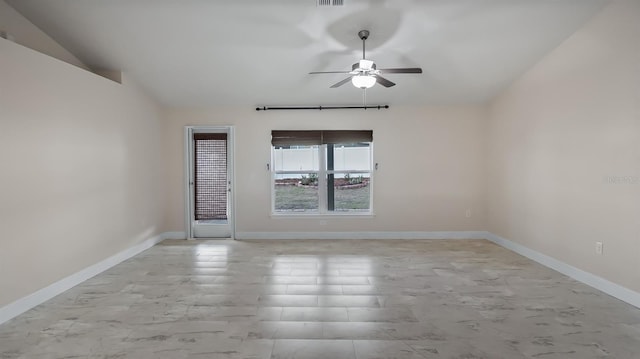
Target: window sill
322	215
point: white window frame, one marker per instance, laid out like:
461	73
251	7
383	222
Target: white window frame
322	187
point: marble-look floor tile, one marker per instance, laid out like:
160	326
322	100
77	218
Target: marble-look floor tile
291	279
235	313
316	289
327	299
359	289
350	301
384	349
224	300
285	330
360	280
315	314
391	315
358	331
313	349
481	346
247	349
288	300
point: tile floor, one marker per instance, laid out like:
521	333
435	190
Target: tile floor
327	299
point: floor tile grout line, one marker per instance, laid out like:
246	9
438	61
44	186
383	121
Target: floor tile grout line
355	352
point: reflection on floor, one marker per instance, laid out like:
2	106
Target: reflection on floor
327	299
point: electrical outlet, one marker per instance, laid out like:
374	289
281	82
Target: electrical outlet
598	247
467	213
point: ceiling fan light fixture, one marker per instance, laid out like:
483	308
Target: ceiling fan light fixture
363	81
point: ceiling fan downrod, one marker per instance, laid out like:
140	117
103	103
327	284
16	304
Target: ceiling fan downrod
364	35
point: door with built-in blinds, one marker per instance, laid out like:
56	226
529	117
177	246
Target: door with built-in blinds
209	183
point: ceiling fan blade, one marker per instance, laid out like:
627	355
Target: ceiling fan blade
405	70
341	82
384	82
329	72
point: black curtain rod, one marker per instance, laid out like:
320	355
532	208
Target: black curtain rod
265	108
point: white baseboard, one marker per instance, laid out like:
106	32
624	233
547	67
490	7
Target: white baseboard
613	289
361	235
34	299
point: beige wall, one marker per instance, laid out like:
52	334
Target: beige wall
556	135
27	34
79	169
440	151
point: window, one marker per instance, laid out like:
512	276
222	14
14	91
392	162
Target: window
321	172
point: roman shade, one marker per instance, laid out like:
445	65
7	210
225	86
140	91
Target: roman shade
210	136
316	137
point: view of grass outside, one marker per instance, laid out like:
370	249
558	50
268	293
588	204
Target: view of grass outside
305	198
296	198
352	199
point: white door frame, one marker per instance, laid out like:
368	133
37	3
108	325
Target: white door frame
189	214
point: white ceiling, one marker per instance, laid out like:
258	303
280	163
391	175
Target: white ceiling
200	53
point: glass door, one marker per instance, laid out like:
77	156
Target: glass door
209	182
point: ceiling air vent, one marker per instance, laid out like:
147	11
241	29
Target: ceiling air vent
330	2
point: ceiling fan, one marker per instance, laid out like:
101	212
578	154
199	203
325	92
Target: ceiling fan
365	74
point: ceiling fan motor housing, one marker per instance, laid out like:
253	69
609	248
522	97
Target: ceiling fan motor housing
363	65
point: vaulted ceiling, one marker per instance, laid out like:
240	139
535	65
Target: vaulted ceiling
201	53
